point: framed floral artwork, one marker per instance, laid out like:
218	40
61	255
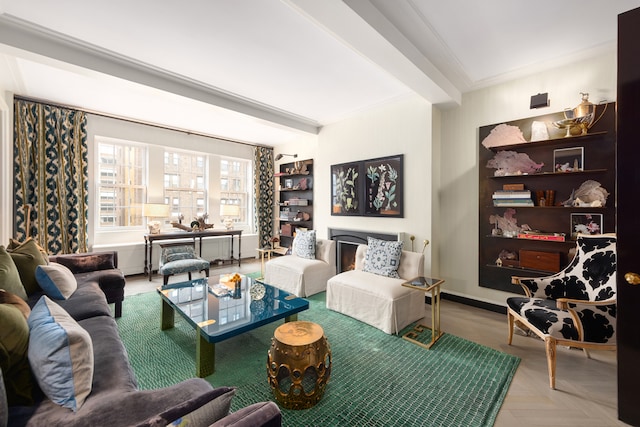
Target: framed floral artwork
384	186
346	189
586	223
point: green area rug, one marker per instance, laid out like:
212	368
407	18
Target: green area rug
376	379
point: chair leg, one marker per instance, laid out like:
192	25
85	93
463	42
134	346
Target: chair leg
586	353
165	279
550	344
510	320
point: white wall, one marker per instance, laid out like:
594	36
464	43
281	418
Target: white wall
402	126
458	192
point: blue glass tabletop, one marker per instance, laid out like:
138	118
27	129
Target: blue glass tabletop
221	312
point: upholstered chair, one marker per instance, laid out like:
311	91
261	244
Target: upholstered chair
179	258
303	274
575	307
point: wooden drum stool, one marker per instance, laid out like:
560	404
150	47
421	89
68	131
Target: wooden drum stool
299	364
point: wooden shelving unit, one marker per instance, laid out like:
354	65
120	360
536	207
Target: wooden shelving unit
599	164
294	208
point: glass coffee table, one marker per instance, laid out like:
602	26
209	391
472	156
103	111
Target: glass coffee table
219	313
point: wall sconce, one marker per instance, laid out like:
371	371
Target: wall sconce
281	155
154	210
229	211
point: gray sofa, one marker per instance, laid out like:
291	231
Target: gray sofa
115	399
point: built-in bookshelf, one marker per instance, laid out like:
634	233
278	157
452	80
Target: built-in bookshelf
295	199
537	198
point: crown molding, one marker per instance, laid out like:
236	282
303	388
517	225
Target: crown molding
29	37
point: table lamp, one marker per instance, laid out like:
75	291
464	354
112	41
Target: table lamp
153	211
230	211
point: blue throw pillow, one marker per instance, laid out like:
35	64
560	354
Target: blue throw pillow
383	257
56	280
60	354
304	245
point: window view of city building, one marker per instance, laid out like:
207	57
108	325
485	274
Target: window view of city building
121	184
235	199
185	189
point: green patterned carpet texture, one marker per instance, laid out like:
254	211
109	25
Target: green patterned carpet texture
376	379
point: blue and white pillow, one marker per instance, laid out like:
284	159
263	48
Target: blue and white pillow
60	354
383	257
56	280
304	245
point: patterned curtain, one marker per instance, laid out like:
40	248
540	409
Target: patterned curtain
264	194
51	176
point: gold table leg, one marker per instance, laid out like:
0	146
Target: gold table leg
205	356
436	332
168	316
291	318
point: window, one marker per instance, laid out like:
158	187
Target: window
235	200
185	175
121	183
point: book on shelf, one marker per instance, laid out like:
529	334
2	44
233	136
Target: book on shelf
513	187
552	237
501	194
512	202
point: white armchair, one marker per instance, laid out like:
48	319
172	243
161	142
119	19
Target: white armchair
377	300
301	276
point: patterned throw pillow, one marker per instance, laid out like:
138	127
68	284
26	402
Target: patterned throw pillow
60	354
383	257
304	245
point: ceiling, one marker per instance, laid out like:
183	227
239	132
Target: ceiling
269	71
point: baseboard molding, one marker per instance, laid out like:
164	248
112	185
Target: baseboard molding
471	302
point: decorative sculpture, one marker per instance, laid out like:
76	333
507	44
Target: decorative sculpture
504	135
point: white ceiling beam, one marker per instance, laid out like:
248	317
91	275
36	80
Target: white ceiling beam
361	26
32	38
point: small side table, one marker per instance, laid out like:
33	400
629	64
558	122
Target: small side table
427	284
298	364
263	252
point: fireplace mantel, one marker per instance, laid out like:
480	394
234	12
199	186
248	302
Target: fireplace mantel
352	238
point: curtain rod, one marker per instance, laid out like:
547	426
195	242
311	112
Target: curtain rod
136	121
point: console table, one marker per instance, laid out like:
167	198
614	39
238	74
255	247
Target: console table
150	238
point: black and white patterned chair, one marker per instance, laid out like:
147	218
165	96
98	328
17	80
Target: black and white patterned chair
575	307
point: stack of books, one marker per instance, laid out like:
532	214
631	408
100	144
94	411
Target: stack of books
512	198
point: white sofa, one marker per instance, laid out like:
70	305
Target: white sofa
377	300
301	276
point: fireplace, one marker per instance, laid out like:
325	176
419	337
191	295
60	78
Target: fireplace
347	242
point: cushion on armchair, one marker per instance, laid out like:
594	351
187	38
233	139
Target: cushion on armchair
383	257
304	245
